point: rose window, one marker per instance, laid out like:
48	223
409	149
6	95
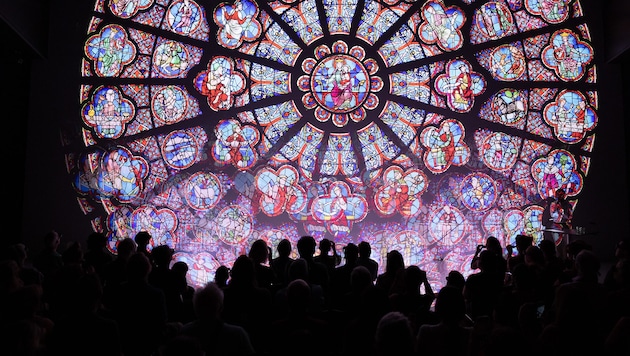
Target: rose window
417	126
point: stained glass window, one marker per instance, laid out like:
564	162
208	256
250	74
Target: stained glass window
421	126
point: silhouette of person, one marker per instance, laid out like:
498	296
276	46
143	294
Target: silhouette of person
114	272
265	275
97	254
215	335
493	245
281	263
365	251
414	304
318	273
482	289
622	252
330	260
248	305
49	260
455	279
221	276
85	330
561	212
341	277
143	239
300	329
394	269
579	310
522	243
448	336
394	335
140	309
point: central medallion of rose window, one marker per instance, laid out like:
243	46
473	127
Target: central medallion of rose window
339	83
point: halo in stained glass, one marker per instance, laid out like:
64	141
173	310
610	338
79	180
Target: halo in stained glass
423	126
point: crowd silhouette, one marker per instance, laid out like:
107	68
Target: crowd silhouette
331	302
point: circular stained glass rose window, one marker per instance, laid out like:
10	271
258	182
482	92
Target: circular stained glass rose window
417	126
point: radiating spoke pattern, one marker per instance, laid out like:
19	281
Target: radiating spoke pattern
417	126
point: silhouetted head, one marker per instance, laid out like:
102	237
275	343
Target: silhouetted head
73	254
88	293
306	246
96	241
298	269
587	264
351	252
486	260
222	275
622	273
16	252
365	250
52	240
414	277
138	267
243	272
394	261
534	256
142	238
126	247
450	305
575	247
284	248
162	255
325	245
180	268
25	302
298	296
394	335
493	244
360	278
259	252
548	248
9	276
524	277
623	249
523	242
455	279
208	302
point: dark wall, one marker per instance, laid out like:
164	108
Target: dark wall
616	29
21	42
49	199
28	22
603	206
52	96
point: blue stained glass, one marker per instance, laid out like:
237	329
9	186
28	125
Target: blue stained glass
420	126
